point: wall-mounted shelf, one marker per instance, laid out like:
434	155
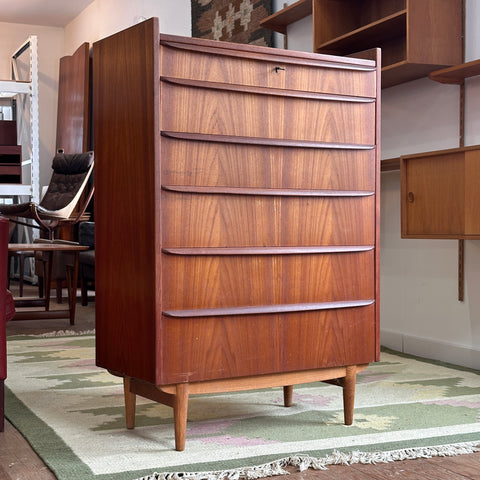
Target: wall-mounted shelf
416	36
279	21
390	164
457	74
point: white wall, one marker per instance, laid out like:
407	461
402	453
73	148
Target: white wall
50	49
105	17
420	312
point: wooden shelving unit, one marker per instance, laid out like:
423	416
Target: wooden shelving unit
416	36
448	187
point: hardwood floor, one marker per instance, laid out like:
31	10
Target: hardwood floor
19	462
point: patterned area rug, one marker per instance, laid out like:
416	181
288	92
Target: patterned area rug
232	21
72	414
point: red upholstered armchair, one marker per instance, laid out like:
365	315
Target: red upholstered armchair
7	310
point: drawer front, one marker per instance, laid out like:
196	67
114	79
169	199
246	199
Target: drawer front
228	347
228	112
208	163
267	71
214	220
224	281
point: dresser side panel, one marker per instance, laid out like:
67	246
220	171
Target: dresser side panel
126	143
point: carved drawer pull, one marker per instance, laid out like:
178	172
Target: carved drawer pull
410	197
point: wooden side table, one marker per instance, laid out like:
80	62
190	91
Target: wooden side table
72	274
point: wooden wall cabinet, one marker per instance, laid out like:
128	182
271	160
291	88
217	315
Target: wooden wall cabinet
237	217
416	36
440	197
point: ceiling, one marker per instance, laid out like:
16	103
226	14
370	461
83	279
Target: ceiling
52	13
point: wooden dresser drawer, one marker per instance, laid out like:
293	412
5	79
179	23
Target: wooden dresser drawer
215	220
232	347
224	281
229	66
265	115
228	163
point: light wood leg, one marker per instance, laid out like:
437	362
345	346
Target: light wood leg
349	394
180	410
130	403
288	395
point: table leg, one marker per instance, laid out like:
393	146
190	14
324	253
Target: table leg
47	279
72	276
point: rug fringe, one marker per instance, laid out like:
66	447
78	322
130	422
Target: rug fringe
64	333
304	462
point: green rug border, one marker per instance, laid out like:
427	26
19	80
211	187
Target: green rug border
67	465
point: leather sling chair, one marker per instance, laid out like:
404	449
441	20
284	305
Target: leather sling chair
60	204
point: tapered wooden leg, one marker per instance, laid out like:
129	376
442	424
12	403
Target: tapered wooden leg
349	394
180	410
287	395
130	402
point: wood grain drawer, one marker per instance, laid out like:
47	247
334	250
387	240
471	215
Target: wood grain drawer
225	281
212	162
215	220
303	73
230	112
198	349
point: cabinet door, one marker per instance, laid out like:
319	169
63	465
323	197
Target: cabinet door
433	198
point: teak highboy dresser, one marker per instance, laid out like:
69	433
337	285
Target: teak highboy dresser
237	215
